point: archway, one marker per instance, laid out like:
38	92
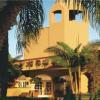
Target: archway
84	83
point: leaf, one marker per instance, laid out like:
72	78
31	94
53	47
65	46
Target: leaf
76	50
68	51
60	61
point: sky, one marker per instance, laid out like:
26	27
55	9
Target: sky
47	4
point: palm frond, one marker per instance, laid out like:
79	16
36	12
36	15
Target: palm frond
13	60
60	61
76	50
30	21
69	51
87	52
64	54
57	51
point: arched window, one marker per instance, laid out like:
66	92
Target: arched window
58	15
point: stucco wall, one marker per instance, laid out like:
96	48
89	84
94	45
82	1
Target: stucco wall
72	32
16	91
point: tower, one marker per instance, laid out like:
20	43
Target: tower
65	25
69	26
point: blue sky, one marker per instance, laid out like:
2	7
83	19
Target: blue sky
47	5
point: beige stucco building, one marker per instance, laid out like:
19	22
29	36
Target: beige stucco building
69	28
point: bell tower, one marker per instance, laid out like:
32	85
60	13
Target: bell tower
67	24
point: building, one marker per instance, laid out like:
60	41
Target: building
70	28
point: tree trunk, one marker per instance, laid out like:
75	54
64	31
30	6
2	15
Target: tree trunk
7	18
79	76
4	67
71	79
76	83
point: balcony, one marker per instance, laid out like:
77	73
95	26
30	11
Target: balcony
43	65
34	64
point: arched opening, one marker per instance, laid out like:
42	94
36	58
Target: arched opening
58	15
84	83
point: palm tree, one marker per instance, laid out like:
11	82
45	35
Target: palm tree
91	52
74	59
67	57
30	20
92	55
92	7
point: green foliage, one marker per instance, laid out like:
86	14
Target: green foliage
68	57
60	61
90	53
13	70
30	21
98	92
87	52
64	55
65	48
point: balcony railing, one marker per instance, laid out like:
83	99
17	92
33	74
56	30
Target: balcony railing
35	63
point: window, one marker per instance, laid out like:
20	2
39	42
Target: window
75	15
58	15
27	83
44	88
38	87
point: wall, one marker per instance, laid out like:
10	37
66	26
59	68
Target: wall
16	91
